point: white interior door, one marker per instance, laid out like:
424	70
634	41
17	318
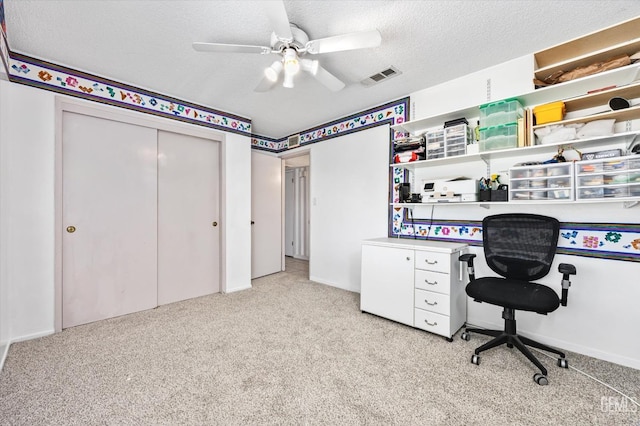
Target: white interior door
289	212
266	214
188	216
109	259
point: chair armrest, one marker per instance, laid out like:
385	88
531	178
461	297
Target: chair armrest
468	258
566	269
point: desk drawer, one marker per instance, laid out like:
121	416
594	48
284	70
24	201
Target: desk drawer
431	261
432	322
434	302
432	281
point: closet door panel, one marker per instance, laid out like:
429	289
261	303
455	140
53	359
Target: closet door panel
109	256
188	217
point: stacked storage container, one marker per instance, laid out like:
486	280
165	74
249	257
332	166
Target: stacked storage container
542	182
499	124
448	142
616	177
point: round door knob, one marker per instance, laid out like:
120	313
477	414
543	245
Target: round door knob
252	222
215	224
71	229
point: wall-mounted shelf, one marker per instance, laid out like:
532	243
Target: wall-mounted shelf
631	113
627	202
520	152
623	38
571	89
590	100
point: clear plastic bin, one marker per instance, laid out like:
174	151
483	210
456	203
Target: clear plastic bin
590	180
586	193
500	113
499	137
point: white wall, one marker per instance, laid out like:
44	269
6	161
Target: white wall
27	212
4	306
27	221
349	203
505	80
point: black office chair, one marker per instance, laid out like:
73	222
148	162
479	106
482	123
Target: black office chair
520	248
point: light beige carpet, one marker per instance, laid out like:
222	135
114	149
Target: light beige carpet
290	351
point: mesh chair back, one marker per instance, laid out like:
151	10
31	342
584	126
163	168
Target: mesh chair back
520	246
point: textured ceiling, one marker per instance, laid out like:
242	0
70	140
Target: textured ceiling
148	44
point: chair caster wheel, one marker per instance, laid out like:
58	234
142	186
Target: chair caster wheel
465	336
563	363
540	379
475	359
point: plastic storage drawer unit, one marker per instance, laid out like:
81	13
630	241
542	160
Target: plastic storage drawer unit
435	144
499	137
549	182
616	177
456	139
501	112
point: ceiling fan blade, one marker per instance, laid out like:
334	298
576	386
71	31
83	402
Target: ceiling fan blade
330	81
278	18
230	48
265	85
349	41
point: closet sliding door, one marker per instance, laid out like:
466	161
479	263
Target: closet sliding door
109	211
188	217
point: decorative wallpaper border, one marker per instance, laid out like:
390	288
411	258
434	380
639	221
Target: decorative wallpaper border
394	112
45	75
4	45
617	241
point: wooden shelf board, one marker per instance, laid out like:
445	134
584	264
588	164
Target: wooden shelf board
629	48
517	152
597	40
631	113
630	91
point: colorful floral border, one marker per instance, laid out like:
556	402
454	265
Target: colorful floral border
616	241
44	75
394	112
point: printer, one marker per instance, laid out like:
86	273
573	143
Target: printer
457	189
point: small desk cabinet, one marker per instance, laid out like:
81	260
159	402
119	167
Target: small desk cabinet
414	282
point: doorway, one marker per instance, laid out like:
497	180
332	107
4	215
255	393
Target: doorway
297	218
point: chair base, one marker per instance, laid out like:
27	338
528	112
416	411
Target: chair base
509	337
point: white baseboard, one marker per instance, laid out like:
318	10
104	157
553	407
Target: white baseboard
233	290
321	281
563	345
4	350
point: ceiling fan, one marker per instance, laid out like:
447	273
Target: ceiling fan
291	43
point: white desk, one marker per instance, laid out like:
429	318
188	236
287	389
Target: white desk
414	282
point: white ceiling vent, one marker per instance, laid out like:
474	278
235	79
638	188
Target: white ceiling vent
293	141
381	76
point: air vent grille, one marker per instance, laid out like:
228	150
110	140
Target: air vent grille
381	76
293	141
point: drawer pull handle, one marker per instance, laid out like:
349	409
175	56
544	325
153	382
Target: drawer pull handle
408	258
431	263
430	304
432	325
430	283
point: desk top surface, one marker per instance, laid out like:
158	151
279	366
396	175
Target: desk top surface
440	246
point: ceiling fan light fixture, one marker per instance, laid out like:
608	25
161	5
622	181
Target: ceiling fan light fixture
291	62
310	66
288	80
273	72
